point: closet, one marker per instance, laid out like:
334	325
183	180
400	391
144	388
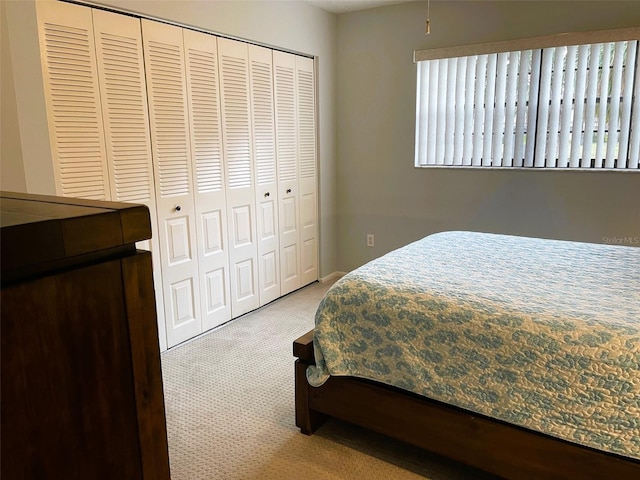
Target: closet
216	136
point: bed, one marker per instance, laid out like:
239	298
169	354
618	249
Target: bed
517	355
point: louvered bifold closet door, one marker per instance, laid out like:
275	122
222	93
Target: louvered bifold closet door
123	92
210	203
284	67
72	97
264	147
238	153
171	149
305	95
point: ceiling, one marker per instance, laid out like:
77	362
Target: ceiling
344	6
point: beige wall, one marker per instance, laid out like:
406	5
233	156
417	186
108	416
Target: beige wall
11	170
23	111
379	190
293	26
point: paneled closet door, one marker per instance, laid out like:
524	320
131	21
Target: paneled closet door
287	154
236	123
264	147
118	40
170	141
307	160
208	167
72	97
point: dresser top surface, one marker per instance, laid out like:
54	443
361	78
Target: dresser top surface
42	230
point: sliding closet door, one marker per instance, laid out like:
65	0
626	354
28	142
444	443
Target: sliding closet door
208	168
305	95
170	141
118	40
287	155
238	152
264	147
72	97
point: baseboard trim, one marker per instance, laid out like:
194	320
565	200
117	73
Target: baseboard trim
331	277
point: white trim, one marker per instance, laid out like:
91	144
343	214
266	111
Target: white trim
519	44
332	277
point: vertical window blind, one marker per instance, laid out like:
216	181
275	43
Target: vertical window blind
575	106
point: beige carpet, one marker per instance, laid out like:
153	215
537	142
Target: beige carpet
229	399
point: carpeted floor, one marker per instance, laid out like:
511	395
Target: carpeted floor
229	399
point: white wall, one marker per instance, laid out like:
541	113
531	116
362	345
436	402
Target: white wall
289	25
379	190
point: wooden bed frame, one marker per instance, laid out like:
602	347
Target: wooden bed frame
479	441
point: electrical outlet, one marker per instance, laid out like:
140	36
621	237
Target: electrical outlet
370	239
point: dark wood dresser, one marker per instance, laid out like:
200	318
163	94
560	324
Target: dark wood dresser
81	379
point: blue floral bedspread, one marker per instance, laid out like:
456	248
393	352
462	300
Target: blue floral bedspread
544	334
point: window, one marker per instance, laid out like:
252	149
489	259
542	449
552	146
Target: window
565	105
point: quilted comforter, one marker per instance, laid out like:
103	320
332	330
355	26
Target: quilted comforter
544	334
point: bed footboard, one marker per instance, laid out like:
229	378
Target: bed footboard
307	420
493	446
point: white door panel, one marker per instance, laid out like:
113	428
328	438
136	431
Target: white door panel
309	255
264	147
307	158
242	226
179	279
268	221
203	93
308	235
179	248
171	147
269	253
289	215
182	308
287	156
124	106
245	275
183	305
72	97
290	263
270	268
289	240
307	210
239	177
217	291
212	233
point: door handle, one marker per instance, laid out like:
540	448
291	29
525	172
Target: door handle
288	190
177	208
266	194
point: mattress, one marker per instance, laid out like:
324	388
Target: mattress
544	334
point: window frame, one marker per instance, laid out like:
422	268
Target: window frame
521	45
